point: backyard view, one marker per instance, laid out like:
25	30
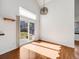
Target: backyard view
24	35
23	30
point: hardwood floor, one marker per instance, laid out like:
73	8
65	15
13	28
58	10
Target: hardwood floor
11	55
76	42
64	53
76	49
77	52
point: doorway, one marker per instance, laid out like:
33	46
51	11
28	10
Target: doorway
27	26
27	30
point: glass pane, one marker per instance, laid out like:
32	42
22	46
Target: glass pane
31	30
23	29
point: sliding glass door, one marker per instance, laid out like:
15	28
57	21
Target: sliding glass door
27	30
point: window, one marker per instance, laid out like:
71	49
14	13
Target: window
26	13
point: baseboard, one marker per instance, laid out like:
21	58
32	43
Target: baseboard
4	52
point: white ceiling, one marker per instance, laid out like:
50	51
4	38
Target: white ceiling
40	2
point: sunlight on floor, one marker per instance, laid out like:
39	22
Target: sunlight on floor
76	52
35	50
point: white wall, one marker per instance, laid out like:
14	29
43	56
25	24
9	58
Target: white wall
11	8
8	41
58	25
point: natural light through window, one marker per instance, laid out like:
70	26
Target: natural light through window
26	13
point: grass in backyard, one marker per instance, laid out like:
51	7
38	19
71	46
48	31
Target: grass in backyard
23	35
